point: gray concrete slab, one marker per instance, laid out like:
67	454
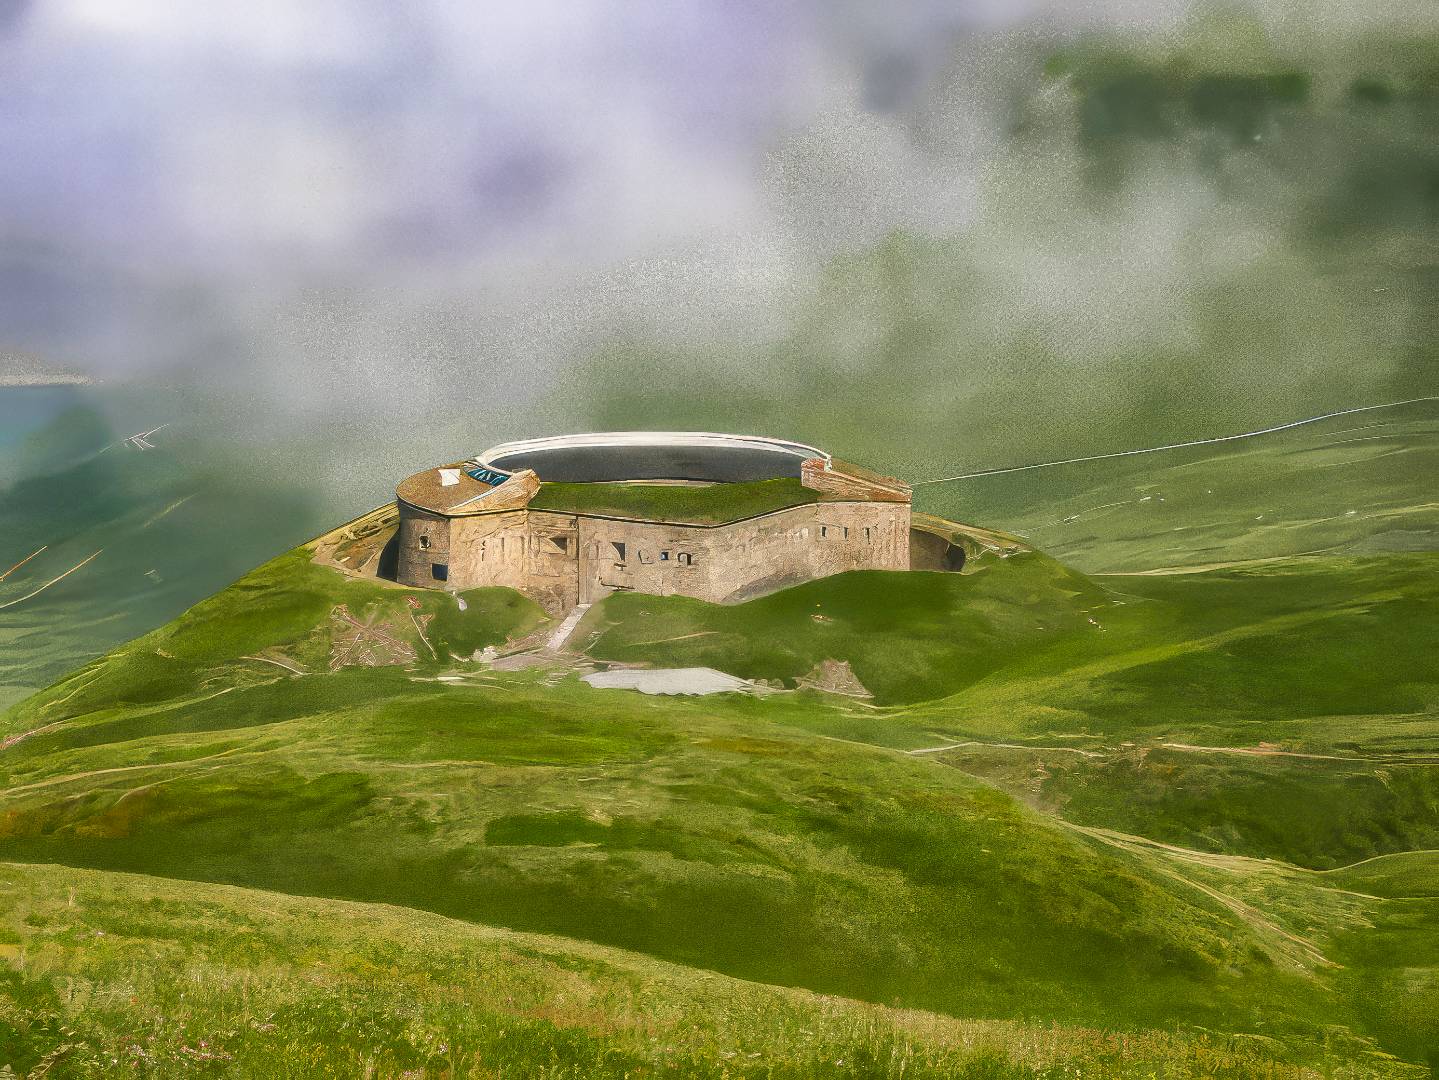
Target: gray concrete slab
693	680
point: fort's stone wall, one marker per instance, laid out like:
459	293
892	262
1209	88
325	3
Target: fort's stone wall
560	560
423	543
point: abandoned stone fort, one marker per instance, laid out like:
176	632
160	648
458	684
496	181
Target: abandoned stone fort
571	519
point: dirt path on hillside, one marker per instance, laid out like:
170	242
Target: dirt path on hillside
1244	911
277	663
1007	746
53	581
1202	568
13	739
55	781
1266	751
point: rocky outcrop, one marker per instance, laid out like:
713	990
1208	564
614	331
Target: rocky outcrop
835	677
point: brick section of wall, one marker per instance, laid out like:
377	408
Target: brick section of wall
834	479
647	557
554	576
736	562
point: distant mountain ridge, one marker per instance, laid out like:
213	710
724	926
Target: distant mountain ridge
27	369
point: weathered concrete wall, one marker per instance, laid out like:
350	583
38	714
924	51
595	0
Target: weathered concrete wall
729	563
560	560
488	550
859	536
647	557
553	565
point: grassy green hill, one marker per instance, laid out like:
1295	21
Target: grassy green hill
1158	800
1351	485
283	987
1106	803
151	532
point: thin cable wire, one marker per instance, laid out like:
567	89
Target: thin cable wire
1176	446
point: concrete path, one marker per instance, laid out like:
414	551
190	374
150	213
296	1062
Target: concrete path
565	629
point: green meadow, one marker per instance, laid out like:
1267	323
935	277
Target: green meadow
1106	825
1351	485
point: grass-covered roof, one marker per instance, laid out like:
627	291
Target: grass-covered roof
709	504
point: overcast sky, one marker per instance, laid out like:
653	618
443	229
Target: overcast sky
156	149
329	199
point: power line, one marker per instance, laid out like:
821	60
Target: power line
1176	446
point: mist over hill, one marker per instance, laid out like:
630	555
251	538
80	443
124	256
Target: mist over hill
936	241
102	539
1151	793
1174	235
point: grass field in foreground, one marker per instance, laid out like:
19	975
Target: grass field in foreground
113	974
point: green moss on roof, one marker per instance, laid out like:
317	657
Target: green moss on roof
700	505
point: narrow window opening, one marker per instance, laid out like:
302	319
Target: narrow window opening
619	550
664	556
424	543
441	571
686	559
560	543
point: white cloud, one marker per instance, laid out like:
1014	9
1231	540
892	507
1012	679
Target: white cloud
263	31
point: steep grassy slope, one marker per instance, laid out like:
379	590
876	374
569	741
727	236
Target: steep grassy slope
121	974
1283	710
909	637
797	840
844	868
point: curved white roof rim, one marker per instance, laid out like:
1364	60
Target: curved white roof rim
618	455
607	439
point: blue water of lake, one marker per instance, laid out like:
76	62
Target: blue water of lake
26	409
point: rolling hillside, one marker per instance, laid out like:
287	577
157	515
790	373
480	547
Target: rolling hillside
129	536
1110	803
1153	795
1350	485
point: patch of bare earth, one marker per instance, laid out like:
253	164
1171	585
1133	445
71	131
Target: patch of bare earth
835	677
367	640
356	546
